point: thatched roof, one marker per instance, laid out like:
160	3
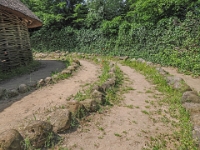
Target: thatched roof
19	9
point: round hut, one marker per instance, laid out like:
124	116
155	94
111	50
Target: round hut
15	19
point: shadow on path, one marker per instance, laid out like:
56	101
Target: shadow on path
45	70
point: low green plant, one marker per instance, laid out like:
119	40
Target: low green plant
176	110
74	122
145	112
118	135
60	76
130	106
27	144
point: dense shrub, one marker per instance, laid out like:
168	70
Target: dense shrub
171	40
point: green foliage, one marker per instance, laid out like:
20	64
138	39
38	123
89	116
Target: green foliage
166	32
176	110
54	12
149	12
80	13
111	28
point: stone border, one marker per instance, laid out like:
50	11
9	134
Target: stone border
190	99
38	132
23	88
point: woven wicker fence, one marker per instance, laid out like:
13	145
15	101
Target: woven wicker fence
14	42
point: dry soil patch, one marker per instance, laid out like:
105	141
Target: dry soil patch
126	126
46	97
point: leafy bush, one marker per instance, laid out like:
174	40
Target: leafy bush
169	39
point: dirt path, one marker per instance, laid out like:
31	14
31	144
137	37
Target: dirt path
194	83
52	95
47	67
128	126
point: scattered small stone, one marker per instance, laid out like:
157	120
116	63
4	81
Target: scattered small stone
89	57
48	80
99	60
57	51
113	69
172	79
22	88
123	57
161	71
98	97
112	64
55	77
105	86
66	71
196	135
63	53
2	92
71	68
33	84
77	62
157	65
192	108
98	88
195	118
149	63
177	83
38	132
11	140
141	60
111	81
75	65
77	109
40	83
12	93
40	55
190	96
60	119
91	105
111	74
133	59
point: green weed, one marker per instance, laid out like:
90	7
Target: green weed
173	100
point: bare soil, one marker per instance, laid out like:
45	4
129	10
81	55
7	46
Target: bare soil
127	126
130	125
12	112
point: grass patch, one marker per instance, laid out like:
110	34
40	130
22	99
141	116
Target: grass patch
111	93
118	135
129	106
176	110
145	112
60	76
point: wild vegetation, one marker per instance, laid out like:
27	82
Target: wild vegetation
162	31
176	110
165	32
